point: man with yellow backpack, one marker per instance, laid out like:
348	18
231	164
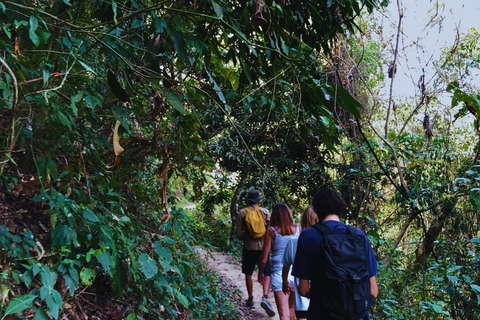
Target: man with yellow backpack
251	225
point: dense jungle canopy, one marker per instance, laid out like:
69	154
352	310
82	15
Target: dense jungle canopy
115	116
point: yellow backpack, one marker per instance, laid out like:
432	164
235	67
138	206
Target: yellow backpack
254	222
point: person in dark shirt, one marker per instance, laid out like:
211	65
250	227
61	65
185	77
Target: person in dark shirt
329	207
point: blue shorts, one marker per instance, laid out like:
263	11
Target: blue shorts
277	281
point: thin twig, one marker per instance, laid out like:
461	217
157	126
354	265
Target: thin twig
15	84
394	66
410	117
85	173
12	138
402	192
394	153
265	83
39	79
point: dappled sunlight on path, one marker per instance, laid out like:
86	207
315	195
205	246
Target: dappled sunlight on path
228	269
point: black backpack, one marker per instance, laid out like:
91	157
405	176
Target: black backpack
344	289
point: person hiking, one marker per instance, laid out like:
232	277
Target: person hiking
341	252
282	229
252	233
309	218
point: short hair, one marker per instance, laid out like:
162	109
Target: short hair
309	218
328	201
282	218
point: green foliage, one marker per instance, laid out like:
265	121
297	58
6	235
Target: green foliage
165	277
191	85
212	229
442	290
16	246
18	304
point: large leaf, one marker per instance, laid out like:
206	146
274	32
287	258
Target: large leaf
218	9
164	253
48	277
147	266
52	169
217	88
174	100
62	235
41	314
64	120
19	303
116	88
87	276
114	9
31	32
179	44
89	215
105	236
343	99
54	302
105	261
182	299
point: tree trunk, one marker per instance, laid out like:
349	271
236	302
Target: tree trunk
426	249
236	200
403	230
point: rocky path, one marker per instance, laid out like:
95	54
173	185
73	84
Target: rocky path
229	270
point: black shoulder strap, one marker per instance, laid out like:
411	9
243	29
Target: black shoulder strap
325	230
322	228
352	229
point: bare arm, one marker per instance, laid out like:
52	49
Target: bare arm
267	245
373	287
239	228
285	284
304	287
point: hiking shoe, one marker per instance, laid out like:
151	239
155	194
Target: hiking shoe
250	303
267	307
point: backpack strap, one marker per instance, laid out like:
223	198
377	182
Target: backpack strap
325	230
352	229
322	228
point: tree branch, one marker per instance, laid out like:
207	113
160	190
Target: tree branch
12	138
15	84
394	153
402	192
394	66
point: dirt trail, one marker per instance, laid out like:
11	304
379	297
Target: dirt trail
228	269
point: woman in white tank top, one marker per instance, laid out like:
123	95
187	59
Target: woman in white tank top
282	230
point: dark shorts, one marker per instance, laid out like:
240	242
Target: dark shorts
301	314
250	259
267	271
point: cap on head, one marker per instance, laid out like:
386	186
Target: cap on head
253	196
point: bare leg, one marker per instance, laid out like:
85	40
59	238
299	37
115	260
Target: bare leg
282	301
291	304
266	286
266	290
249	283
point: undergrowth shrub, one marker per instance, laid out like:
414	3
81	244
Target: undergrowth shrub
211	221
445	288
153	266
211	231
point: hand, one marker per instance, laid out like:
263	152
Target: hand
261	278
286	288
